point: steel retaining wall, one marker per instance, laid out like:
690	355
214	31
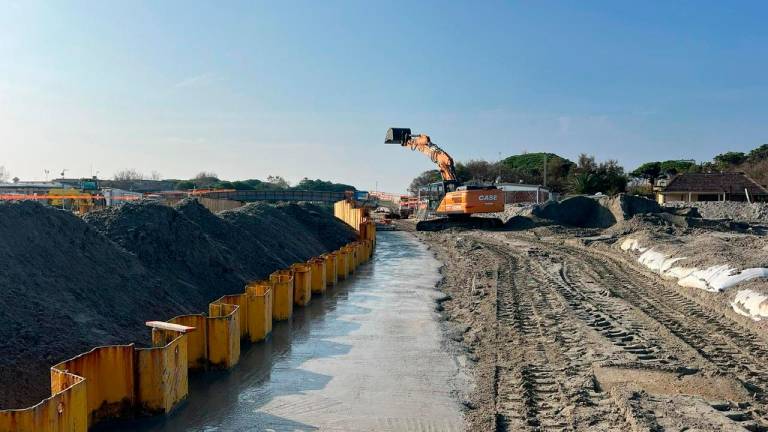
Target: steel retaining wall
121	381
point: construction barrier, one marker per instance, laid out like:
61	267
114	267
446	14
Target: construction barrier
109	380
65	411
350	214
223	327
331	277
302	284
342	264
197	340
282	298
260	308
162	372
120	381
317	266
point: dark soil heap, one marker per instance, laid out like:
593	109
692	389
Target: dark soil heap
68	284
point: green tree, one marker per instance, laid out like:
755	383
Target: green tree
424	179
729	159
759	154
649	171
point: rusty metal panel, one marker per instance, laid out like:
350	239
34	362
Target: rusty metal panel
162	374
242	301
109	379
197	340
331	277
282	296
223	324
342	264
302	284
65	411
260	306
317	265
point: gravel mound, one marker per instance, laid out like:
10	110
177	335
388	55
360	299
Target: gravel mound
68	284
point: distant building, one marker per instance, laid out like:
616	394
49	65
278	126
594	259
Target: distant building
524	193
727	186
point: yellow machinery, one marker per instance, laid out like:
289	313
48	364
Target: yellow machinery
457	202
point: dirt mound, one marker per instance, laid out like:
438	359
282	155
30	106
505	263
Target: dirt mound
576	211
68	284
594	212
64	288
623	206
169	243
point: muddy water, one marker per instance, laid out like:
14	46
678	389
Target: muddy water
366	356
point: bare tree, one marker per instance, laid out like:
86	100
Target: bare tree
155	175
206	175
129	174
4	174
278	181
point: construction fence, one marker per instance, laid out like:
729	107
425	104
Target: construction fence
122	381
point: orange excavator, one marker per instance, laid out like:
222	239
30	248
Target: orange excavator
457	202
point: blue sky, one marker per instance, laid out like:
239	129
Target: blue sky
249	89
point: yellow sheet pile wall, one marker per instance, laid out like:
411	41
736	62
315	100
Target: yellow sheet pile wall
302	284
342	264
331	277
197	340
109	380
282	298
317	266
223	326
122	381
65	411
162	373
260	307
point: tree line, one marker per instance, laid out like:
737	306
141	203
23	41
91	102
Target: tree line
588	176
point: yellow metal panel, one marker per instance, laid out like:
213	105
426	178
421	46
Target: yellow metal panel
282	296
342	265
330	269
162	374
65	411
109	380
242	301
197	342
223	335
260	305
318	274
302	284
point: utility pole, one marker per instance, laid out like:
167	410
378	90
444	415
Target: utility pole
545	170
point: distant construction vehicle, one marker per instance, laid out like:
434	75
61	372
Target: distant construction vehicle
457	202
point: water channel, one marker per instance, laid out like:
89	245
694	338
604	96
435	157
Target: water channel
366	356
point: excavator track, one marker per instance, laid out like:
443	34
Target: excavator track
440	224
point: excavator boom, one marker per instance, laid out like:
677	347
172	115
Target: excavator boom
423	144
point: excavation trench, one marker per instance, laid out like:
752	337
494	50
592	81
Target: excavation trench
368	355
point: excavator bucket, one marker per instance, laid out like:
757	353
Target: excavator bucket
397	136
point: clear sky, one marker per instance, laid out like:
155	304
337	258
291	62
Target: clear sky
248	89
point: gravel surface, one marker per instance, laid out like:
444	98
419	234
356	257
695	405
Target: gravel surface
68	284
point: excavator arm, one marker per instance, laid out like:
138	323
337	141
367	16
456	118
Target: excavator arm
423	144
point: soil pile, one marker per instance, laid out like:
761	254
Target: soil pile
576	211
69	284
588	212
64	288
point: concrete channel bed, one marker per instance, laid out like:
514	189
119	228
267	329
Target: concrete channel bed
366	356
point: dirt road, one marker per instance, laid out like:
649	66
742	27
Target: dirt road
566	337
